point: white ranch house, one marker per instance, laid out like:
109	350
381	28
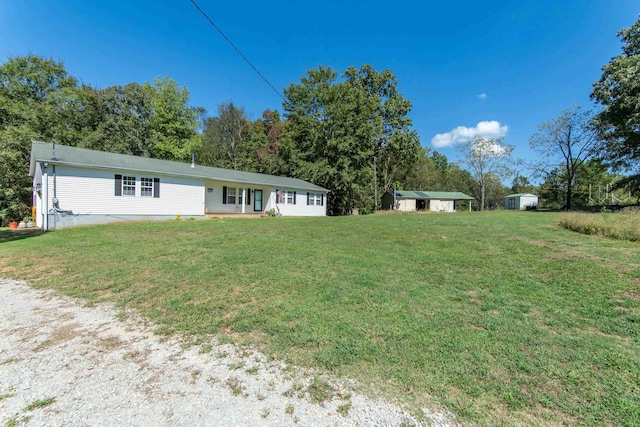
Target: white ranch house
75	186
520	201
434	201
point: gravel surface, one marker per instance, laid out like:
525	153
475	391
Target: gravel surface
62	363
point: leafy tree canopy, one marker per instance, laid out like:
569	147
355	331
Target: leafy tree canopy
488	160
343	134
39	100
618	91
569	141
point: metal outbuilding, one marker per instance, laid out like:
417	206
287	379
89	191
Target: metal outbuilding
434	201
520	201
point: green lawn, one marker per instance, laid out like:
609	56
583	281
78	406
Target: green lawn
503	318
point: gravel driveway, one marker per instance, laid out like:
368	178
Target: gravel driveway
62	363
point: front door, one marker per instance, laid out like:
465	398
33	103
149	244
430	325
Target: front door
257	200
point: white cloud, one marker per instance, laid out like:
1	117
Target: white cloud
482	96
485	129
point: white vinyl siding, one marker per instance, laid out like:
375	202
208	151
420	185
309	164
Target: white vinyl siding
91	191
299	208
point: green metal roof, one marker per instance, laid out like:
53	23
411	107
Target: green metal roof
92	159
440	195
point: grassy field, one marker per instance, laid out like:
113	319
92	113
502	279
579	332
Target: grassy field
624	225
503	318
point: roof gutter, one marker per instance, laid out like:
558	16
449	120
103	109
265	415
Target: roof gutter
181	175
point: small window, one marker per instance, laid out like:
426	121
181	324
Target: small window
287	197
315	199
231	195
146	187
128	185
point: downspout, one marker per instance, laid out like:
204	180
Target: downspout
54	182
45	198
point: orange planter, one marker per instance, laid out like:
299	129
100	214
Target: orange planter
13	224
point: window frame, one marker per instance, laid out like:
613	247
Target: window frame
231	192
128	186
146	185
315	199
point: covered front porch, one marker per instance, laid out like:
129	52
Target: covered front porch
234	198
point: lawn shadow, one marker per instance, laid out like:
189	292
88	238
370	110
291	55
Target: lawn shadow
8	234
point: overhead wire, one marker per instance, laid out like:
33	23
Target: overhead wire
237	50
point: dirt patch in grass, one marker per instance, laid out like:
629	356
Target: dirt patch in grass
634	294
537	243
65	333
473	296
110	343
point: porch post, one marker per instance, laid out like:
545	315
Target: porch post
244	191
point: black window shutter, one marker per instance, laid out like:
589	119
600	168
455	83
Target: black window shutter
277	196
156	187
294	197
248	200
307	198
322	200
118	185
224	195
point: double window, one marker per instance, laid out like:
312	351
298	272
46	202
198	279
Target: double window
316	199
286	197
233	196
125	185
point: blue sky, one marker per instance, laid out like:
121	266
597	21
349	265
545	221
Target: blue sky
513	64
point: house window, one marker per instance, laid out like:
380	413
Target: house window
128	185
231	195
286	196
146	187
315	199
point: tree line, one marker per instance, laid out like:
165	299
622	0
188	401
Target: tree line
349	132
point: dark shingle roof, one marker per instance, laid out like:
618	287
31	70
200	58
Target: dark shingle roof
92	159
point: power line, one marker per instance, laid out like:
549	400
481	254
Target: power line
237	50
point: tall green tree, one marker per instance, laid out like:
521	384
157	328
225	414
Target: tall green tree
39	100
267	133
421	174
522	184
33	95
225	137
486	158
337	130
569	140
395	143
174	123
125	114
618	91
